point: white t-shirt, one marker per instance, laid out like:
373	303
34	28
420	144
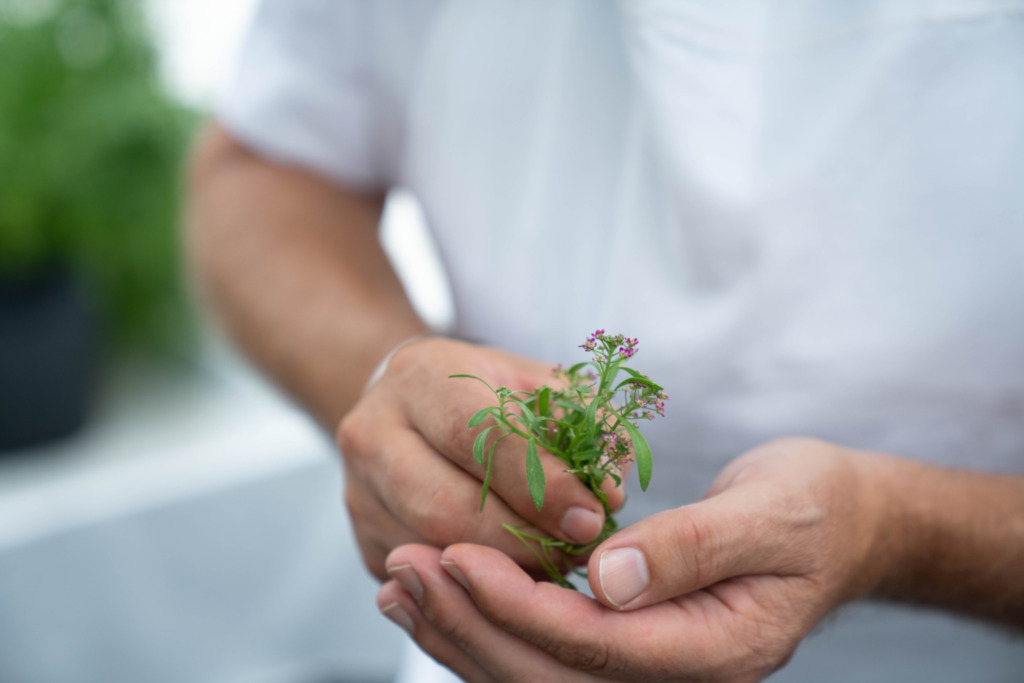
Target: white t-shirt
810	213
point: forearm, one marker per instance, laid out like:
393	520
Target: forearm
293	266
952	539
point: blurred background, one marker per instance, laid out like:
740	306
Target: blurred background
165	514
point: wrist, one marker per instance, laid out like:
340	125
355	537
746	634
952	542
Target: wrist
888	532
382	366
904	547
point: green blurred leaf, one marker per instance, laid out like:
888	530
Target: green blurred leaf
637	380
543	397
91	159
487	473
637	375
479	416
590	420
534	474
641	454
579	366
479	444
528	418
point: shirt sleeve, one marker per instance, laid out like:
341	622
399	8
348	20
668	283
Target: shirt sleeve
306	91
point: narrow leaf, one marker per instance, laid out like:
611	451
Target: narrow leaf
561	423
484	382
637	375
534	474
579	366
591	417
542	402
586	456
637	380
529	420
569	407
480	444
641	453
479	417
487	474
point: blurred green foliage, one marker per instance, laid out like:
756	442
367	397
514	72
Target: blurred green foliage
91	155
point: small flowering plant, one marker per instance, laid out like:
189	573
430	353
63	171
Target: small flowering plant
589	422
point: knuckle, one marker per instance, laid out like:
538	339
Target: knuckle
459	630
695	550
457	435
448	518
353	434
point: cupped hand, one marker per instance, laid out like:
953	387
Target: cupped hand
410	475
721	590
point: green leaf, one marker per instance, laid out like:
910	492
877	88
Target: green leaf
611	374
487	474
641	453
591	418
534	474
561	423
579	366
460	376
480	444
529	420
542	401
637	375
570	407
637	380
586	456
479	417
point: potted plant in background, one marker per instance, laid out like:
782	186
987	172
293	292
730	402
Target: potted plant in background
91	149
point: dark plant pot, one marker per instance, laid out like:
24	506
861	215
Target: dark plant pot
48	357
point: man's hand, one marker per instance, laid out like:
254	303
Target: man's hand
409	468
294	267
722	590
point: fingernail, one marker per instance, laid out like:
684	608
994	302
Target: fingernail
395	613
456	573
410	580
623	575
581	525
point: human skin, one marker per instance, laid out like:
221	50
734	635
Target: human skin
788	532
293	266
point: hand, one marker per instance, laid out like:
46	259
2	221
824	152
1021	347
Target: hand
722	590
409	468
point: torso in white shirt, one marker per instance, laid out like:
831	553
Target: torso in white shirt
810	213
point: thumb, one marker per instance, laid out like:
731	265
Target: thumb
682	550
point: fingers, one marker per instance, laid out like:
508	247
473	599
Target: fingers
570	511
412	496
663	642
678	551
398	605
476	611
410	471
429	604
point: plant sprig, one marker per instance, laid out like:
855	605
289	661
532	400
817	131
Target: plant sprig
589	422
